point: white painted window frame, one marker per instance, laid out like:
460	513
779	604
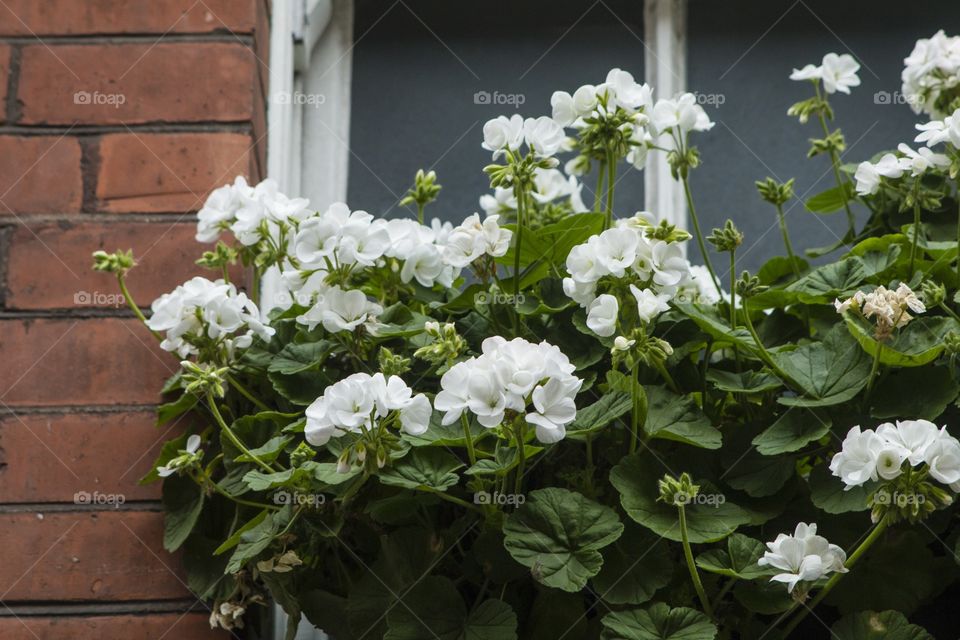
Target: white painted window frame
308	117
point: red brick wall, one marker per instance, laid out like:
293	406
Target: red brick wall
117	117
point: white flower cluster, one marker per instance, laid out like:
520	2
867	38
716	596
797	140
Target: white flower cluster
803	556
251	213
868	455
682	114
836	72
915	163
931	68
889	309
474	238
939	131
200	313
625	251
510	375
619	94
543	136
359	401
549	185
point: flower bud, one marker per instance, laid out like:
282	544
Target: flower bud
933	293
774	192
726	239
119	262
677	491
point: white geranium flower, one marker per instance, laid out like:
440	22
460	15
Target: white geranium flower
220	209
839	73
856	463
512	375
915	437
868	178
809	72
502	134
682	114
502	200
424	263
602	315
340	310
473	238
543	135
943	456
630	94
564	112
802	557
358	401
920	161
585	100
174	465
616	250
649	304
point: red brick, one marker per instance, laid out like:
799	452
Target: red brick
49	263
101	556
4	78
175	626
40	174
136	83
102	17
167	172
72	449
101	361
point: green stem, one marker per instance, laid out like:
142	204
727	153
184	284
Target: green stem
519	193
246	394
698	233
521	456
835	164
420	212
786	240
733	290
212	403
443	495
121	280
835	578
598	194
762	352
635	392
662	370
916	226
874	368
950	312
611	181
958	233
691	565
471	452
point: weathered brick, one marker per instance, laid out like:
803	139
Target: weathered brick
71	449
49	263
101	361
163	172
102	555
4	79
176	626
103	17
136	83
40	174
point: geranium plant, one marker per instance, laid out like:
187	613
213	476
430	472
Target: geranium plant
544	422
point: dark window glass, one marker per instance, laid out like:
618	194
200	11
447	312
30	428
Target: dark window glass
744	51
428	73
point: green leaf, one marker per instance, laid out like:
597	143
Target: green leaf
170	450
827	492
559	534
765	598
658	622
745	382
298	357
831	280
611	406
434	609
170	410
444	435
828	372
267	452
678	418
711	322
557	614
505	460
257	538
792	431
634	568
780	268
759	476
423	468
636	476
738	561
871	625
234	540
915	392
831	200
917	344
182	504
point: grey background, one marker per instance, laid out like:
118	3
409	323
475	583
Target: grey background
417	65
